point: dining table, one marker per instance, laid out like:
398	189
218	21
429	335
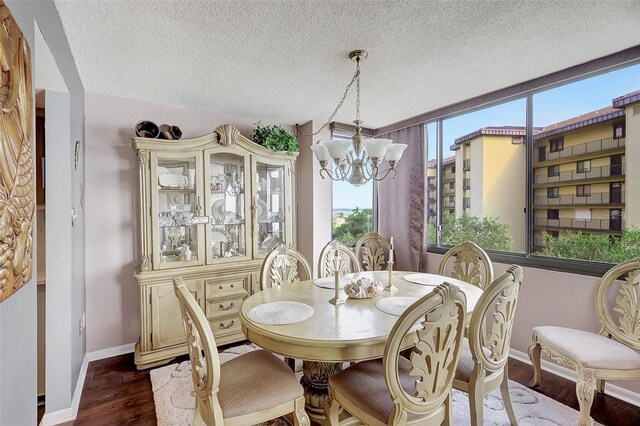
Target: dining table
356	330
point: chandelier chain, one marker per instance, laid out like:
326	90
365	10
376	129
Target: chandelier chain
357	91
356	77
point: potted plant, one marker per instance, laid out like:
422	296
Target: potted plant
275	138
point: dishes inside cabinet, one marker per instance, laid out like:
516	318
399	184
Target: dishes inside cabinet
220	242
172	181
218	211
262	210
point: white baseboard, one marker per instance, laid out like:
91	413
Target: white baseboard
109	352
69	414
567	373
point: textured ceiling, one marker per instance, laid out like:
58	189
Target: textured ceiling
285	61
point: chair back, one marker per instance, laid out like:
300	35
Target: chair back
347	263
492	320
435	355
203	354
372	252
467	262
620	316
282	266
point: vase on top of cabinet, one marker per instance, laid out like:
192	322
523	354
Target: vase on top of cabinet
211	208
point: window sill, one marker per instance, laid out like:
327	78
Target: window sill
580	267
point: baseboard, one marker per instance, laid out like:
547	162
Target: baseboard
109	352
69	414
567	373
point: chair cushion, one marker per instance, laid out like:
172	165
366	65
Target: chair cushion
589	349
255	381
465	363
364	386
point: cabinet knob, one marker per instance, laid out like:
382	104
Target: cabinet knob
226	308
231	324
220	287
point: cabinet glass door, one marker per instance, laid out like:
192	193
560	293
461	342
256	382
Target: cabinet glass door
175	202
269	206
227	203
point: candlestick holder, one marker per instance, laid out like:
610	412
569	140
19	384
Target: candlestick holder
337	261
390	287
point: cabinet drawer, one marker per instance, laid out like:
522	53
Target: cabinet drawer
217	307
225	326
229	285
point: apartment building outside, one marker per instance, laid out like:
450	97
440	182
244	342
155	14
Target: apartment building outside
581	181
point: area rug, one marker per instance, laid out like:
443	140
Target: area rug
174	399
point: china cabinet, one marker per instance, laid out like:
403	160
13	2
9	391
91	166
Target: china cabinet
211	208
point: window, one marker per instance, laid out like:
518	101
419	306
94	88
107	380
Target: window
583	166
589	112
618	130
453	169
554	234
452	185
516	140
556	144
583	190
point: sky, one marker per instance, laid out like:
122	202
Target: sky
550	106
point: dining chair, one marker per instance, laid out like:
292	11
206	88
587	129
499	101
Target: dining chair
611	354
484	355
283	266
240	391
467	262
372	252
348	261
398	391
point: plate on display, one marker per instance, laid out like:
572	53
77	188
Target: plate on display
217	210
218	237
262	211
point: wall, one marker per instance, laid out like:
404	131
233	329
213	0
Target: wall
550	298
18	314
113	312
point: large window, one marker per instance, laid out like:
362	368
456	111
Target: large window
564	192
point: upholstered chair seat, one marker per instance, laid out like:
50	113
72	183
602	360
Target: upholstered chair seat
247	384
363	385
466	362
589	349
395	390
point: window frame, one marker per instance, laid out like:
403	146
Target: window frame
556	144
553	167
526	90
620	125
583	163
584	192
553	192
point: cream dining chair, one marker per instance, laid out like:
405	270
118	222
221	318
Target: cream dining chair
348	263
483	359
467	262
372	252
610	355
400	391
283	266
240	391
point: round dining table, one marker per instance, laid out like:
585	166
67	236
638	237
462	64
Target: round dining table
348	332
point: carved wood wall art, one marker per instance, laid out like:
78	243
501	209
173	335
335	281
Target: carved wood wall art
17	192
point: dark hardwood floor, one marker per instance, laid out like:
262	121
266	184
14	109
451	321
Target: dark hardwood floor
115	393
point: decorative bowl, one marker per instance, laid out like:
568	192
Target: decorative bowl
363	289
147	129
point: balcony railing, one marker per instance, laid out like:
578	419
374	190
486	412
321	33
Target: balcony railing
597	198
598	145
449	176
448	190
449	204
431	186
466	184
572	175
466	202
580	224
466	165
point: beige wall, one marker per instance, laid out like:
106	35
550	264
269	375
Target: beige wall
112	205
550	298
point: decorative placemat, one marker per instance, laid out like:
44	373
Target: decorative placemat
330	282
395	305
280	313
425	279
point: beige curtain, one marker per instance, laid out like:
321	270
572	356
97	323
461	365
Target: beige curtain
401	201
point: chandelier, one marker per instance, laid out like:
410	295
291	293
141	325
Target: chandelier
356	161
